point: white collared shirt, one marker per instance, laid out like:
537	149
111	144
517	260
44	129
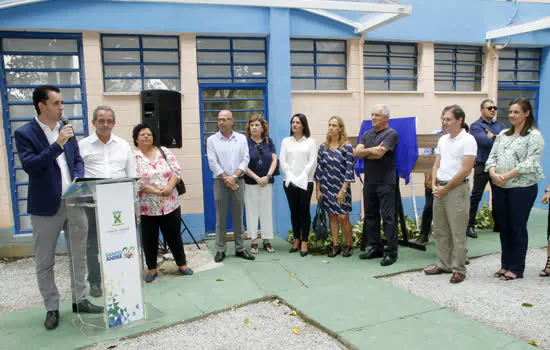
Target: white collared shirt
52	136
113	159
226	155
298	160
452	152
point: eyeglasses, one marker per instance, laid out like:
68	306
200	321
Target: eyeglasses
260	152
491	108
145	134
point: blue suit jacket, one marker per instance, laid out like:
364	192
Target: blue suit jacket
39	160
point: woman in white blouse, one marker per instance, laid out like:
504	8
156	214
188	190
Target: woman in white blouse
298	160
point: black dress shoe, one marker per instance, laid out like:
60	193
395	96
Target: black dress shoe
95	291
86	307
388	260
52	319
219	257
372	253
293	250
245	255
471	232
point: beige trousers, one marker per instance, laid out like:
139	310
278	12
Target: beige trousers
450	224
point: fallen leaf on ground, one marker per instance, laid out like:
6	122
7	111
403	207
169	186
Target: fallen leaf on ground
292	274
276	302
219	280
232	308
296	330
293	313
527	305
325	261
246	321
532	342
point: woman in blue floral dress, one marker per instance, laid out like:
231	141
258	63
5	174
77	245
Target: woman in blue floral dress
333	177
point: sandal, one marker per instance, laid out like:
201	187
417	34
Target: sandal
505	277
499	273
268	248
546	271
254	248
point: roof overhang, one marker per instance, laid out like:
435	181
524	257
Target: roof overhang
539	24
373	14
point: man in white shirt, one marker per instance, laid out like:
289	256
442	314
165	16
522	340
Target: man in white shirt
454	160
105	155
228	159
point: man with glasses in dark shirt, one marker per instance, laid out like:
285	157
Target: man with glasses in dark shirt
485	131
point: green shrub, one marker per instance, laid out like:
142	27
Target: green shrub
484	218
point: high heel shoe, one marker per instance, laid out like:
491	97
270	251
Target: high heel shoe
546	271
304	253
295	249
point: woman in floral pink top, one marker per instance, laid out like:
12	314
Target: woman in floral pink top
158	200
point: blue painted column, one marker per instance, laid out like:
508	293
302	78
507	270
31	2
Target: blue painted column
279	104
544	119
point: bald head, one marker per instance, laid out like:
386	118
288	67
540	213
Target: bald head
225	122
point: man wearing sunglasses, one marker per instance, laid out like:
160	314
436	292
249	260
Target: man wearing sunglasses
485	131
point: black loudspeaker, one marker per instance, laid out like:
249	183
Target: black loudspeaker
161	111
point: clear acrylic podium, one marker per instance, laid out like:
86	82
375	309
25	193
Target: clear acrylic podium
113	206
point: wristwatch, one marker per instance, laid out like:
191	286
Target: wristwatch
235	176
269	177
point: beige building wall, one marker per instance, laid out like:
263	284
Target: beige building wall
127	108
6	211
425	103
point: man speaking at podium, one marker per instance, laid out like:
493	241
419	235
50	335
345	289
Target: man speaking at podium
106	156
50	156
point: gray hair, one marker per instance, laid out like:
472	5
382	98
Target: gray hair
385	109
103	108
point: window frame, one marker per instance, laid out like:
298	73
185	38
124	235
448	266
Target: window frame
455	75
141	63
315	65
389	66
222	80
11	149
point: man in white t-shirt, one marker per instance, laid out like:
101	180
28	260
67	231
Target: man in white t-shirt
105	156
454	160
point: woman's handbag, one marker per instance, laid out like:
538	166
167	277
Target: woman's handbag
180	186
319	225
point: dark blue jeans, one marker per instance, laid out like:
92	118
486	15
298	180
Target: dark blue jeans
427	213
513	206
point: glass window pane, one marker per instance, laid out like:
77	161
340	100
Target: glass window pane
467	69
331	45
403	49
16	125
403	85
404	73
123	85
444	56
522	64
159	43
248	44
378	60
22	206
160	71
443	85
160	56
303	84
507	53
24	111
301	71
376	72
331	84
529	53
40	45
22	191
466	86
72	109
214	71
120	56
162	84
240	104
122	71
331	71
23	61
212	44
249	71
250	80
20	95
506	64
213	57
248	57
25	222
215	81
331	58
528	76
21	176
376	85
301	58
78	125
120	42
468	57
301	45
505	75
403	61
54	78
375	47
226	93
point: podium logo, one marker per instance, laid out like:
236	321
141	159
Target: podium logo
126	253
117	217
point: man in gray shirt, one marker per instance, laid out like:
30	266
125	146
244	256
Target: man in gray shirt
228	158
377	146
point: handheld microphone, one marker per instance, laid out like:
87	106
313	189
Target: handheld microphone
65	121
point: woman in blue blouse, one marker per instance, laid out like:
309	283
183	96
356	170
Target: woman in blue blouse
333	177
258	182
514	166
